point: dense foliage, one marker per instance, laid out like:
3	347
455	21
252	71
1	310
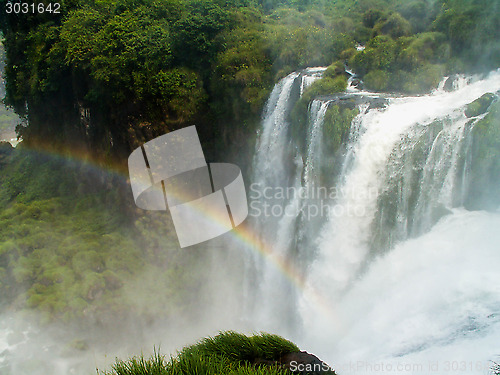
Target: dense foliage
73	248
107	75
227	353
411	51
114	73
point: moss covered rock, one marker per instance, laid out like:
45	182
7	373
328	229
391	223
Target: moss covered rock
480	105
326	86
338	119
485	164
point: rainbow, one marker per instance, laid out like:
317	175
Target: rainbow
243	234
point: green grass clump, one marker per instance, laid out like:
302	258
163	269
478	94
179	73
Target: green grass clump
228	353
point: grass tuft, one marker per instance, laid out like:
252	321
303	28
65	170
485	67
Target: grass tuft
228	353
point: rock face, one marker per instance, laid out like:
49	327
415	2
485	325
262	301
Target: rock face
305	364
351	101
448	85
357	83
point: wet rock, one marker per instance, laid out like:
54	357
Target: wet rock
377	103
300	363
357	83
305	364
348	102
448	84
352	101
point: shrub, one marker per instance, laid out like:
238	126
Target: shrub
371	17
378	80
424	79
394	25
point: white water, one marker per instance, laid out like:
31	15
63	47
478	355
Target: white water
318	110
273	139
431	301
434	298
343	244
272	168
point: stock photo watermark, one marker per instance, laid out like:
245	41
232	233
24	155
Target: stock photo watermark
204	200
444	366
268	201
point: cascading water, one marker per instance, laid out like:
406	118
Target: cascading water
400	272
313	155
273	169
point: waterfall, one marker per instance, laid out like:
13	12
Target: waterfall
397	208
313	155
277	166
390	135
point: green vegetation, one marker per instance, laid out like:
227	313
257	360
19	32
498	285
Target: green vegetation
108	75
8	118
408	64
73	248
411	49
333	81
228	353
112	74
337	125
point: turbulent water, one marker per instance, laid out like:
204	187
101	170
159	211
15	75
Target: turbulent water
431	304
397	273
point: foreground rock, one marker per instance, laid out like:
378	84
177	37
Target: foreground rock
302	363
306	364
